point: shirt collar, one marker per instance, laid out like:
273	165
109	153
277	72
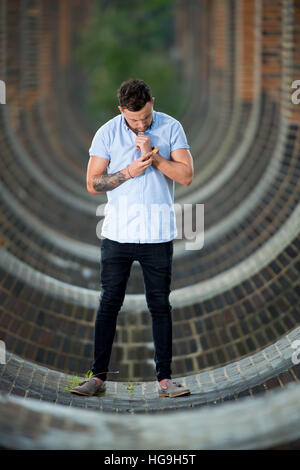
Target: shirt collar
151	127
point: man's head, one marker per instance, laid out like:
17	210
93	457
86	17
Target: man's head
136	104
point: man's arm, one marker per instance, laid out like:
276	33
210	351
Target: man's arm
97	182
180	168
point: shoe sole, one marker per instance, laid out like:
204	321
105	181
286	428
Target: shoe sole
173	396
86	394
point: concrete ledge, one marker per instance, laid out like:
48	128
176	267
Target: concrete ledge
258	423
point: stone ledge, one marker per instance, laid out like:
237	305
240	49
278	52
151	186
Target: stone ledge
258	423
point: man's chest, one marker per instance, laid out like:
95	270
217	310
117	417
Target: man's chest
123	149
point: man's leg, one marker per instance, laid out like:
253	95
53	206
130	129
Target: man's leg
116	261
156	263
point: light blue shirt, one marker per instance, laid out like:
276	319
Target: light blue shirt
140	210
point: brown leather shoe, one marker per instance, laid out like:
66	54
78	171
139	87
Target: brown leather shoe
173	389
89	388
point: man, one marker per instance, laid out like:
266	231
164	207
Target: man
146	151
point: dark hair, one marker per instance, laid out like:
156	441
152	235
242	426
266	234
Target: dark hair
134	94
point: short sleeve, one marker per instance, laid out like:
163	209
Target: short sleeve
178	137
100	144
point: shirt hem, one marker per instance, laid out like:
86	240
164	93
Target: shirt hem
116	239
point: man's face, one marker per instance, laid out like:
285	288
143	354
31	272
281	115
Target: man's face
139	121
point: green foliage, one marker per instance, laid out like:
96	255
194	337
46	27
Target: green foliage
131	39
131	386
74	382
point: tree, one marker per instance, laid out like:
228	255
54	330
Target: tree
131	39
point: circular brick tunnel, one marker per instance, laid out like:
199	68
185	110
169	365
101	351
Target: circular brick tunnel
235	302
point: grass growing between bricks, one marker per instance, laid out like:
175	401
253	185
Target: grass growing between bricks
76	380
131	386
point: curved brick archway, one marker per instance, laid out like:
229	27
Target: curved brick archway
235	299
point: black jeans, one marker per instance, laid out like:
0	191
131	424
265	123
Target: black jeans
156	263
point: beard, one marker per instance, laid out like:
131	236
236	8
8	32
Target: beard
136	131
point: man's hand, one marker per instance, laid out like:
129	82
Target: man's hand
140	165
143	143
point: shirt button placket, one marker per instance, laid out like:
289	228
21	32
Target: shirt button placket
145	207
142	206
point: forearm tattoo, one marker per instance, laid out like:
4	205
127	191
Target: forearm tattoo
108	182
